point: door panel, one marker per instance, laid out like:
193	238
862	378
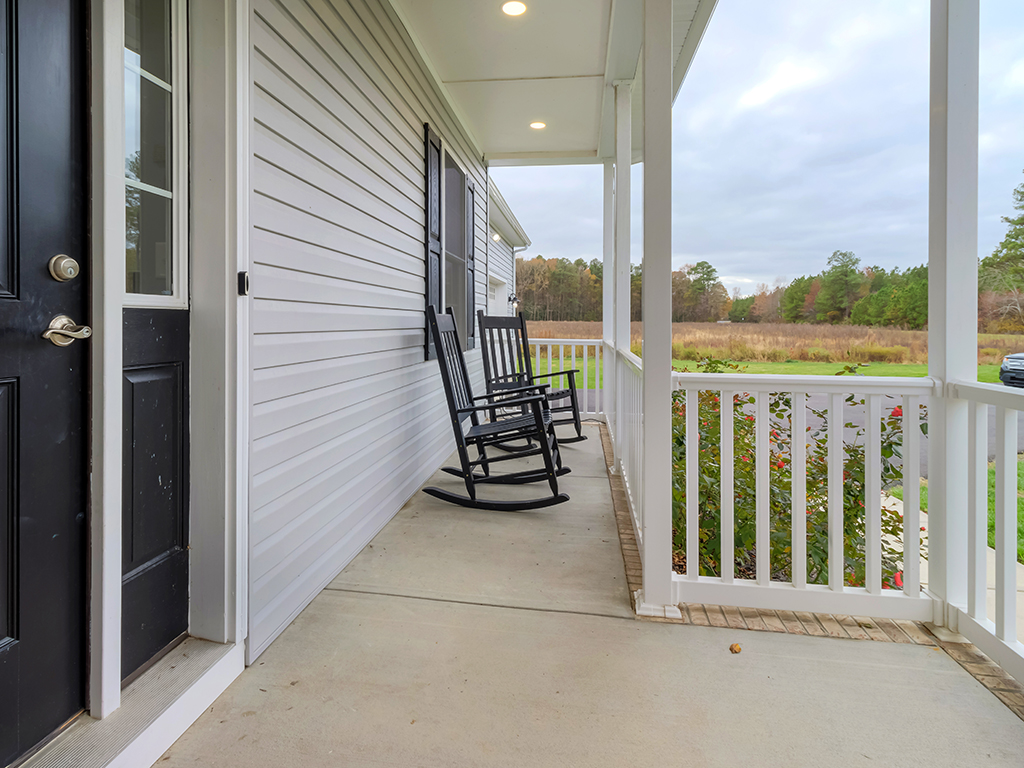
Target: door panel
155	498
43	488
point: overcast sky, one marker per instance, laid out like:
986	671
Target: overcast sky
801	129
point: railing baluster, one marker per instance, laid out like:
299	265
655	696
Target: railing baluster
762	502
586	388
692	479
728	491
1006	524
836	457
873	494
911	495
798	492
977	511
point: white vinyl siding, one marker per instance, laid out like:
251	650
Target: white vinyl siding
347	420
502	262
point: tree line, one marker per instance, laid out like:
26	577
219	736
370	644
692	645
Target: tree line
846	291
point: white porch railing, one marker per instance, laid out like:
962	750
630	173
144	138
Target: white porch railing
872	598
995	634
629	421
989	617
586	355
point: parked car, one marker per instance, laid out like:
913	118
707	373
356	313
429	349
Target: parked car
1011	372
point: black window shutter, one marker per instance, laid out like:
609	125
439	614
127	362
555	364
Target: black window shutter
470	266
433	228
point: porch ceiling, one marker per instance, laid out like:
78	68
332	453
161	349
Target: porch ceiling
555	63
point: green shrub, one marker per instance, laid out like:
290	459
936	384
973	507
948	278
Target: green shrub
780	488
818	355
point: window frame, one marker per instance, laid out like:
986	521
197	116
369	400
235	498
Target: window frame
469	229
180	242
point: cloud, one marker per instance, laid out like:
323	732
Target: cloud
788	76
1014	79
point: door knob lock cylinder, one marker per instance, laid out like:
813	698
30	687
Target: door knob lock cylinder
63	268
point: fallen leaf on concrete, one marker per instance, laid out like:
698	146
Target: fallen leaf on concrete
735	648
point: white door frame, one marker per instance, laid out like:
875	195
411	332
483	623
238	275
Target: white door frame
219	116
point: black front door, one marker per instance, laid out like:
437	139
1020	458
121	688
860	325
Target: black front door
43	489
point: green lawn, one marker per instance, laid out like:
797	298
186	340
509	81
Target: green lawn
986	373
898	493
591	370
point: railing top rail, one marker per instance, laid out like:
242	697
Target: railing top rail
535	341
887	385
632	359
990	394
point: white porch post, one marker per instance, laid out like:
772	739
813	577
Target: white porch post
657	311
953	286
620	276
608	313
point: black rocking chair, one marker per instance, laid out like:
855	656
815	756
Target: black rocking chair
507	365
529	420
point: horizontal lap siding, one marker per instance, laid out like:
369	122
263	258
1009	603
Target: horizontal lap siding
347	420
502	263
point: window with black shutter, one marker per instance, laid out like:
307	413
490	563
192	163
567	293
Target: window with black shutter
450	241
433	241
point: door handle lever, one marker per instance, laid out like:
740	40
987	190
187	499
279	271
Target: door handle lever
63	331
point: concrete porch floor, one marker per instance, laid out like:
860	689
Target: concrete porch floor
468	638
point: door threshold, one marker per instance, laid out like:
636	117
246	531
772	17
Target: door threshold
23	760
155	710
154	661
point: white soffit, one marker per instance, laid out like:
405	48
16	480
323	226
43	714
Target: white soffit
555	64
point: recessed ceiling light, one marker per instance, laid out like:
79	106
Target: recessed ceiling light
497	237
538	125
514	8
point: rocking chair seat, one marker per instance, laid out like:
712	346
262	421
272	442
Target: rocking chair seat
505	426
558	394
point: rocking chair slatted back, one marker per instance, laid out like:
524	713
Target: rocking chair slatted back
452	363
506	352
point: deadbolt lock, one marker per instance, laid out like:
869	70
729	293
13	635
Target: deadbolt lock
63	268
64	332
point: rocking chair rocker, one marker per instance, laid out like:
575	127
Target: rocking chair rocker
530	420
507	364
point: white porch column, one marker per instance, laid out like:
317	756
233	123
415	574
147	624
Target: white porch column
657	310
608	313
620	275
953	285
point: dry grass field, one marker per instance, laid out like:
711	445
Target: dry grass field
777	343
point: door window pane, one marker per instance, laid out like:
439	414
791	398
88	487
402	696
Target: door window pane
147	36
147	131
149	139
148	243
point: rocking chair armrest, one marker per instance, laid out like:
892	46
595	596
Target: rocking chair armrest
503	404
512	391
556	373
